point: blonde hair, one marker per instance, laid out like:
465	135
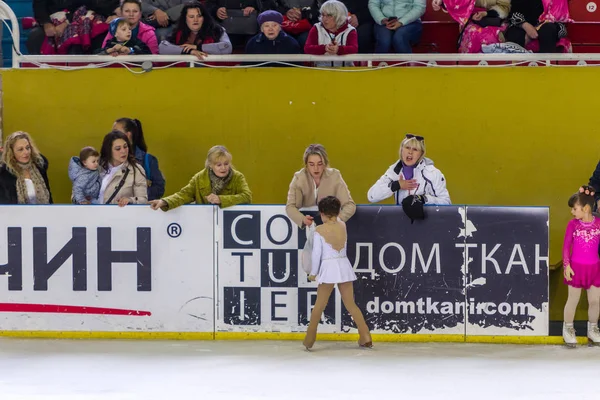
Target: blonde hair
318	150
8	157
215	153
413	142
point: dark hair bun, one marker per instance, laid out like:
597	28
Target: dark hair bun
330	206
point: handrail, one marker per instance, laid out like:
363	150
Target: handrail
6	13
295	58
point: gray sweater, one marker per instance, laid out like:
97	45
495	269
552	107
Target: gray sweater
223	46
171	7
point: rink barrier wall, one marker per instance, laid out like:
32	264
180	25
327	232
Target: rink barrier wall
465	274
470	148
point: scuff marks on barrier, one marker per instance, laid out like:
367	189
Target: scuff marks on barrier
510	261
193	305
407	271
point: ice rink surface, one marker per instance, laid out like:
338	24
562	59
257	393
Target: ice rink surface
209	370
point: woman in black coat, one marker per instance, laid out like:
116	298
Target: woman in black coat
23	172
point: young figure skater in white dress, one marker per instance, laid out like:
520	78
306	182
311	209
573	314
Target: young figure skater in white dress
330	266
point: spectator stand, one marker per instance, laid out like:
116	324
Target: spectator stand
437	48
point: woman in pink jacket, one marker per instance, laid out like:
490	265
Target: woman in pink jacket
132	11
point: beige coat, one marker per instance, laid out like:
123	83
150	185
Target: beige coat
500	6
302	194
135	187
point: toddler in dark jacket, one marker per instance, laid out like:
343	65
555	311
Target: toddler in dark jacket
123	42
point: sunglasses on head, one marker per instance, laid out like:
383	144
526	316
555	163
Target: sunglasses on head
419	138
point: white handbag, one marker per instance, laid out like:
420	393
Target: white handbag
307	250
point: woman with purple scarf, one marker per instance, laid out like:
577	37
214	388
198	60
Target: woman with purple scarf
413	174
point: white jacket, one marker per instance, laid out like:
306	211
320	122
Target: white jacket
431	183
341	39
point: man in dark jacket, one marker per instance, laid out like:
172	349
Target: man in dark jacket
272	40
43	9
524	25
361	19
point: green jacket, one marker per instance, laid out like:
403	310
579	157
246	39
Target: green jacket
236	192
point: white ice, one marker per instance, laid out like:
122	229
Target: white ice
207	370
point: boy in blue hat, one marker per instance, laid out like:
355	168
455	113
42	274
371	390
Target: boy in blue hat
123	41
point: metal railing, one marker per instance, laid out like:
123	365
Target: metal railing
7	14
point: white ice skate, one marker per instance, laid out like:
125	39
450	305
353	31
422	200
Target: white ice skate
569	335
593	334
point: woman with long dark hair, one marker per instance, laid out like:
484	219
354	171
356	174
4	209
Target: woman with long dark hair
123	180
197	33
154	177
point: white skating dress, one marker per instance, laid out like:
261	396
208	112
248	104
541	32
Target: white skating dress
330	265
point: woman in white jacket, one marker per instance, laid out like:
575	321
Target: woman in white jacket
412	174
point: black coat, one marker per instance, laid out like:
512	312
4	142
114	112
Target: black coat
8	184
360	8
525	11
283	44
42	9
258	5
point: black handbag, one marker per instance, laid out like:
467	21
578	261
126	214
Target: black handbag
489	21
238	24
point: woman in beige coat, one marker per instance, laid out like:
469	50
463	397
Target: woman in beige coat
123	179
314	182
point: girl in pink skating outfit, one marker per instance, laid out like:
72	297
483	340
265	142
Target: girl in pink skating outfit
581	264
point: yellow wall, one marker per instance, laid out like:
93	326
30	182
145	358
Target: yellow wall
502	136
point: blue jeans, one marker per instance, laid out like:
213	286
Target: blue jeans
401	39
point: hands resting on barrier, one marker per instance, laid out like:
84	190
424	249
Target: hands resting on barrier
156	204
211	198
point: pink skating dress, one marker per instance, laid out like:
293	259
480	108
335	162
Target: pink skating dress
580	251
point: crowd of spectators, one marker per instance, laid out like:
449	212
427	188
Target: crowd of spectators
315	27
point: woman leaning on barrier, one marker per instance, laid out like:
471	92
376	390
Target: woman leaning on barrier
218	183
196	33
314	182
412	174
23	172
